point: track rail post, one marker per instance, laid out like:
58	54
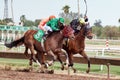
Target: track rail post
108	73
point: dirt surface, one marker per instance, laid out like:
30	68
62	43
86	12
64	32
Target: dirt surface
9	73
22	75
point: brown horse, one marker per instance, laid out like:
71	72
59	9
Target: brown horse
53	43
78	45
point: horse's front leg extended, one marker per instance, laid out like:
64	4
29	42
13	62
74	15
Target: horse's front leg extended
53	57
70	56
41	61
66	56
88	59
62	64
58	52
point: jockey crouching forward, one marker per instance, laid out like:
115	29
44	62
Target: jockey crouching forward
54	24
76	26
42	28
77	23
42	24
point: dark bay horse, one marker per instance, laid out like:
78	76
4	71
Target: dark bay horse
53	43
78	45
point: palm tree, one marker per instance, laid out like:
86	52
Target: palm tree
66	9
22	19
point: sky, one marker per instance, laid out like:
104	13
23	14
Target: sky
106	10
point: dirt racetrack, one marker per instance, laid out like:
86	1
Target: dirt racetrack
17	75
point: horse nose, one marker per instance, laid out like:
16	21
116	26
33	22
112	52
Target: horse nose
90	37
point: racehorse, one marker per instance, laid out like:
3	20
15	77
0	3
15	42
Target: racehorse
78	45
52	43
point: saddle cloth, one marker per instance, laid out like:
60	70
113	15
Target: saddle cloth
39	35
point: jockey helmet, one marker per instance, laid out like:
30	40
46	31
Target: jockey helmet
82	21
61	20
51	17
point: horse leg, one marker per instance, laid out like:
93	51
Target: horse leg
32	57
66	61
41	61
59	51
70	56
88	59
30	63
66	56
54	57
26	52
58	57
38	61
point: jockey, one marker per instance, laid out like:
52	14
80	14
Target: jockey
43	28
55	24
49	25
76	23
44	21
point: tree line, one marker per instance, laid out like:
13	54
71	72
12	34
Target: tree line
108	31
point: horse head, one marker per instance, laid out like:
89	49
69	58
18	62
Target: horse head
68	32
87	30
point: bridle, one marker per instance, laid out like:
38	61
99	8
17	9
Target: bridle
85	28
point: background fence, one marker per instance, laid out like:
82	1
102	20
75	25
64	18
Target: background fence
96	49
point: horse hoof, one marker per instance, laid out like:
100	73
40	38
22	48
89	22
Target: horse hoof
75	71
62	68
51	71
30	68
42	71
87	71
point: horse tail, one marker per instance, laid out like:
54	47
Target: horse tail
15	43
